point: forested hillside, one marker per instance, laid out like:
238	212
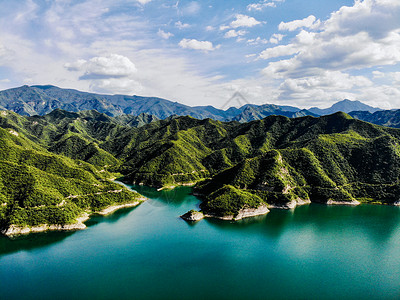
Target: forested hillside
276	161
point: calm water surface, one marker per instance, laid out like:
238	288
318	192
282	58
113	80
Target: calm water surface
312	252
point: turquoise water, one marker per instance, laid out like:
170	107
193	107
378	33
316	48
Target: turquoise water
312	252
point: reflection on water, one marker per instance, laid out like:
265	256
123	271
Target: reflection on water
31	241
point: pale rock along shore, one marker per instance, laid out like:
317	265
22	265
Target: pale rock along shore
333	202
14	230
18	230
113	208
243	213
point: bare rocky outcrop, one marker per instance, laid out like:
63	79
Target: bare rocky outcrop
243	213
333	202
193	216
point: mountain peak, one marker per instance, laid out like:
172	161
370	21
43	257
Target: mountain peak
346	106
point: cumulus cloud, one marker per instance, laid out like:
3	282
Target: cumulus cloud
244	21
263	4
309	22
318	61
344	43
197	45
260	6
257	41
110	66
276	38
233	33
181	25
165	35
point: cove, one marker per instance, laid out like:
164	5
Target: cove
148	252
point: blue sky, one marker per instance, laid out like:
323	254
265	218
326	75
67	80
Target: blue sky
293	52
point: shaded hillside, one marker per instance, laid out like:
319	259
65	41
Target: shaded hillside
389	118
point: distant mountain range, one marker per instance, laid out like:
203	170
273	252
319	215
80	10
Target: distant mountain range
389	118
344	106
41	100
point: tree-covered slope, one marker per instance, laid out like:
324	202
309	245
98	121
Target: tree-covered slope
39	187
277	161
331	159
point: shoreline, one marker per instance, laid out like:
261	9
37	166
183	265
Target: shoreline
243	213
113	208
15	230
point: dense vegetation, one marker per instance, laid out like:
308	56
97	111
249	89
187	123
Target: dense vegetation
277	160
39	187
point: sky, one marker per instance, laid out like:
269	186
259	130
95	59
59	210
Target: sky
287	52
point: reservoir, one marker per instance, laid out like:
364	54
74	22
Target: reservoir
148	252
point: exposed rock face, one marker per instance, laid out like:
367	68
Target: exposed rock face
17	230
333	202
252	212
243	213
397	203
290	205
193	216
113	208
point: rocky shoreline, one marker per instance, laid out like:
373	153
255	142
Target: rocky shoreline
113	208
243	213
14	230
353	202
194	216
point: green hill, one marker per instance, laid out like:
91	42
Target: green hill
39	187
276	161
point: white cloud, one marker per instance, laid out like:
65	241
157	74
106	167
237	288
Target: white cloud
110	66
318	61
116	85
181	25
197	45
233	33
165	35
263	4
378	74
278	51
143	1
344	44
276	38
210	28
260	6
309	22
257	41
244	21
396	77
